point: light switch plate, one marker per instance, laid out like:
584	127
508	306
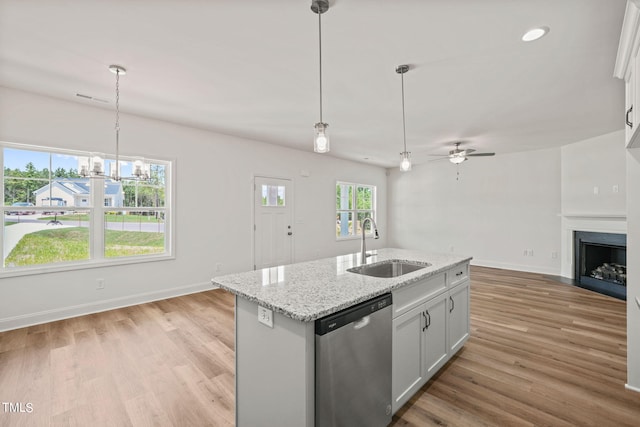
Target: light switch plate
265	316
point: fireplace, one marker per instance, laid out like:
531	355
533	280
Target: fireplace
601	262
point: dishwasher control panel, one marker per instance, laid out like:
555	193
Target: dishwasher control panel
348	315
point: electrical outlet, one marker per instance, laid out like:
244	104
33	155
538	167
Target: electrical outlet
596	190
218	266
265	316
100	284
615	189
530	252
525	253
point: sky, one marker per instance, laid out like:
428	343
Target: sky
17	159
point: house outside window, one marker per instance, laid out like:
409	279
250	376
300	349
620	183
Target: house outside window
57	219
354	203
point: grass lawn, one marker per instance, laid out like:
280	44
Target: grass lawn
126	243
110	218
71	244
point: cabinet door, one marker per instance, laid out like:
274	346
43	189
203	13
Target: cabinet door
435	330
408	356
458	317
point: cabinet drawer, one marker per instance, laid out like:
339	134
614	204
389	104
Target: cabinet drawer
458	274
408	297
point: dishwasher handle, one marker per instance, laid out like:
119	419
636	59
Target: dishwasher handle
359	324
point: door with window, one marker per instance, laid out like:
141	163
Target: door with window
273	228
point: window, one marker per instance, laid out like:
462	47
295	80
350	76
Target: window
273	195
53	217
354	203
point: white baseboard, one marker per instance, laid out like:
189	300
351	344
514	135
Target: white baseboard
632	388
47	316
516	267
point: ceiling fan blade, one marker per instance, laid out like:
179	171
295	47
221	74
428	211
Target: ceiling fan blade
438	155
441	158
481	154
468	150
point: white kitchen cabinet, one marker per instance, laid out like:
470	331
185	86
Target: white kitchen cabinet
627	68
419	348
408	346
458	322
435	330
427	333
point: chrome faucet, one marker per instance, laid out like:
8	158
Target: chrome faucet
363	249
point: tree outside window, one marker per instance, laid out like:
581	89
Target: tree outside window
354	203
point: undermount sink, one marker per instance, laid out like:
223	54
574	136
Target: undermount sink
389	268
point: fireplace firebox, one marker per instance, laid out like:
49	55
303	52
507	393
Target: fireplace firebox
601	262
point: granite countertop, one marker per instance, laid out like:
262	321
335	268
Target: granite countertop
310	290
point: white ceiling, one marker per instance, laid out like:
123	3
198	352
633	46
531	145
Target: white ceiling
250	68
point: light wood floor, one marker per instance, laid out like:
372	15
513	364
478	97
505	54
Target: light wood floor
540	353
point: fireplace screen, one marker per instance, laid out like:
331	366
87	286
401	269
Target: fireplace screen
600	262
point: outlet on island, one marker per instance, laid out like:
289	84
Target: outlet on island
265	316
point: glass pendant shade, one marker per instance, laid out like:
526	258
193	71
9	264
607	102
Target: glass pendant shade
83	166
141	169
321	139
97	164
405	161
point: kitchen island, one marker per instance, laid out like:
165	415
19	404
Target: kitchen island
275	313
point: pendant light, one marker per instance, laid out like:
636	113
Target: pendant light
94	165
321	139
405	156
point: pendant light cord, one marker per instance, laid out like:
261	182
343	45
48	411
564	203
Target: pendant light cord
320	55
404	127
115	173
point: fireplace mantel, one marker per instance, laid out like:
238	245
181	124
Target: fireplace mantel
585	221
595	216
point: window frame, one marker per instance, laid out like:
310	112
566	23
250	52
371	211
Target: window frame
354	211
96	221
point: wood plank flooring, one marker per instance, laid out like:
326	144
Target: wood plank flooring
541	353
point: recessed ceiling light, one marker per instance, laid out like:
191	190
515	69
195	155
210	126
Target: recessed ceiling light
535	34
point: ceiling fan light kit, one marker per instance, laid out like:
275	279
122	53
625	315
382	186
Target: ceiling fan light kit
457	159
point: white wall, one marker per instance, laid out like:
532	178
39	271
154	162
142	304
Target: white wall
214	205
633	268
594	163
499	207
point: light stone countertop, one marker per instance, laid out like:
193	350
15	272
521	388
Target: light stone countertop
310	290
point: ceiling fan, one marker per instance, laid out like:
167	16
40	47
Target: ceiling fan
458	155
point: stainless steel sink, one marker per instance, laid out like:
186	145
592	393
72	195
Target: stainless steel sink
389	268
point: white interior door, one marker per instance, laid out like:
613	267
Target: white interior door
273	227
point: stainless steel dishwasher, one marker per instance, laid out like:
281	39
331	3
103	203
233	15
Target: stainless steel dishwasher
353	366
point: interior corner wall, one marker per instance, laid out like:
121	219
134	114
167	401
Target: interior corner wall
502	210
633	268
593	176
214	204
